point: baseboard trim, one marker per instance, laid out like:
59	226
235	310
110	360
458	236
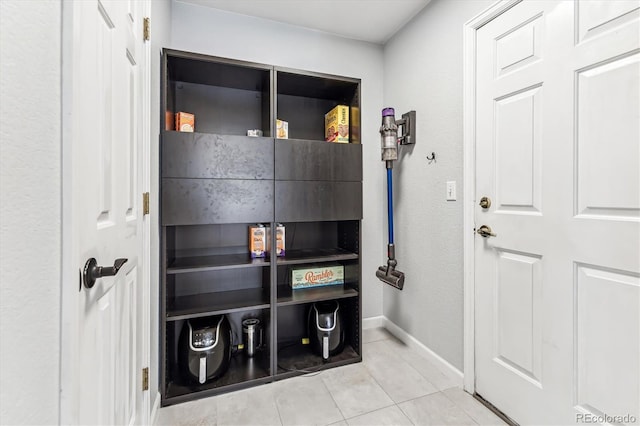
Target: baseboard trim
373	322
447	369
154	409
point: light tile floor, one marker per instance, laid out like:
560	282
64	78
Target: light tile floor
394	385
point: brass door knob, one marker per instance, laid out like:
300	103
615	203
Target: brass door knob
485	202
486	231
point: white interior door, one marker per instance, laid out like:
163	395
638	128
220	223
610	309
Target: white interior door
558	153
106	220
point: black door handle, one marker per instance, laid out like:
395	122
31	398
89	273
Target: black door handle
92	271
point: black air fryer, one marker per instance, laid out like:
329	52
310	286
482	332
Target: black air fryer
205	348
326	333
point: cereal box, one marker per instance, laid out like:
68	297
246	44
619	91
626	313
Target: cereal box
280	252
257	240
185	122
282	129
336	124
316	276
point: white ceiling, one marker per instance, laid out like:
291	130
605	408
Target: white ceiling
369	20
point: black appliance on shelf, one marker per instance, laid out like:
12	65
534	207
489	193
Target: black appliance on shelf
326	330
205	348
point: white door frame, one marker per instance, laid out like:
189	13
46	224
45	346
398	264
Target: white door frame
69	279
469	178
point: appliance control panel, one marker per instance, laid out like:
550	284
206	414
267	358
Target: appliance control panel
203	338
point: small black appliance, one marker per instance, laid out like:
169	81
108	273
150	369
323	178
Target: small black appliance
205	348
326	332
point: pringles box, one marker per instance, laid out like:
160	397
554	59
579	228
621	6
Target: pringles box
336	124
316	276
257	241
185	122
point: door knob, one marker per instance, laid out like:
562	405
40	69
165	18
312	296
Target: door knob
92	271
486	232
485	202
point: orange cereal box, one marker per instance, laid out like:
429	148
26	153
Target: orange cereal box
257	240
185	122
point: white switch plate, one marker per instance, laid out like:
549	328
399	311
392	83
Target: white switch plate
451	190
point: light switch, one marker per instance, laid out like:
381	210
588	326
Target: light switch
451	190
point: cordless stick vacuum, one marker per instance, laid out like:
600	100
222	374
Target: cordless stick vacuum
389	138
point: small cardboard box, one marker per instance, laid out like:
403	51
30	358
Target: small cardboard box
169	118
316	276
282	129
336	124
257	241
280	251
185	122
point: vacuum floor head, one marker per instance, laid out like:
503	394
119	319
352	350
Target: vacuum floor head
390	276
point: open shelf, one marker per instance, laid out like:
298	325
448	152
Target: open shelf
210	263
242	369
287	296
222	302
299	359
293	257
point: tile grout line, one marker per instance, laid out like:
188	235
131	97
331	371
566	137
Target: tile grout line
373	411
332	398
275	402
422	375
462	408
419	374
405	414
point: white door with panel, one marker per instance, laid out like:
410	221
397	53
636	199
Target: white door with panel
103	383
558	154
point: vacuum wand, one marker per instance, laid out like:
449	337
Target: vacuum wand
389	138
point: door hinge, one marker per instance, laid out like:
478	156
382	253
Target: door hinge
145	379
145	29
145	203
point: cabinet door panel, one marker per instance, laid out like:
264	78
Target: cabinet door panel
307	201
202	201
201	155
312	160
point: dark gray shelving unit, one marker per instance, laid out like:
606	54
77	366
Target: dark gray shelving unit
216	182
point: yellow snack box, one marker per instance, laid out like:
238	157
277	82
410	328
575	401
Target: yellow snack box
336	124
